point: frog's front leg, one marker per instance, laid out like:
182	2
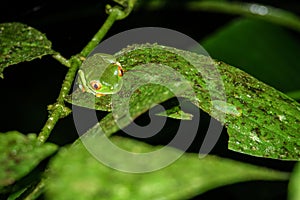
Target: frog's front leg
82	81
99	95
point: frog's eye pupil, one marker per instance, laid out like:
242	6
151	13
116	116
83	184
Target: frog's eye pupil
96	85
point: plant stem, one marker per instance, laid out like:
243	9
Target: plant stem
70	76
46	130
115	13
61	59
113	16
59	110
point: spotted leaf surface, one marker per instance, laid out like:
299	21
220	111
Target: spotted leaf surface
19	43
19	154
260	120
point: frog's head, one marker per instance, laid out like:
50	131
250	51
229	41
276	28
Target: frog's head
109	82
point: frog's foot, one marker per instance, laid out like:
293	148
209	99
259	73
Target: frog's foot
82	88
120	69
99	94
117	63
82	58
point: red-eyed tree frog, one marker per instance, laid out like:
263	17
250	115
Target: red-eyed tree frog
100	74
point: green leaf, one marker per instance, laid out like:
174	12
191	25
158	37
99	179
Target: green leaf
176	113
19	154
75	174
293	190
259	48
88	100
260	120
104	104
19	43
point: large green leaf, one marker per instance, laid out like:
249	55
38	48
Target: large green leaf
294	185
19	43
260	120
264	50
75	174
19	154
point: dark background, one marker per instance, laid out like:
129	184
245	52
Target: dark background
29	87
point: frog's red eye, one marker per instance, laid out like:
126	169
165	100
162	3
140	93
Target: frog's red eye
96	85
120	71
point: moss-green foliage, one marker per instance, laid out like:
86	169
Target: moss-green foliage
19	154
75	173
265	122
19	43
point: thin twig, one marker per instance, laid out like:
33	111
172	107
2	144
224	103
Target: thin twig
114	14
61	59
